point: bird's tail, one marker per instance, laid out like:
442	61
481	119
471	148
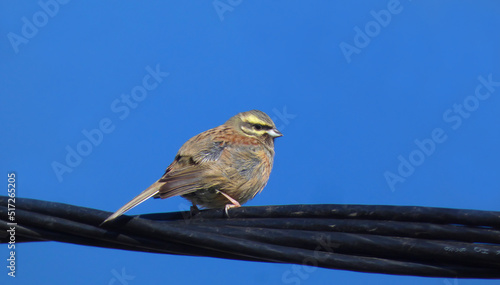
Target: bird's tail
146	194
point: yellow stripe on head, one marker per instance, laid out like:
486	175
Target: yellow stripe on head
257	117
252	119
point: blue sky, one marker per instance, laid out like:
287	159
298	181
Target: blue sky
380	102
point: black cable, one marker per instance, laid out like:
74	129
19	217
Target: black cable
401	240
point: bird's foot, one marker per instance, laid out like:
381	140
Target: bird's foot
229	206
194	210
234	203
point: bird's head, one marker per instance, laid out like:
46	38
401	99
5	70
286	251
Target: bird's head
255	123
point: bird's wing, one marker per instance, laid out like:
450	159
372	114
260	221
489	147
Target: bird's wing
190	170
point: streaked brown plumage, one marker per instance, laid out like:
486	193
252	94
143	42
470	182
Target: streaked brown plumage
223	167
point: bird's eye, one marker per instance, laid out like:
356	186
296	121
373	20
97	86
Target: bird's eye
257	127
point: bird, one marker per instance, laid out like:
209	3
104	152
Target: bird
220	168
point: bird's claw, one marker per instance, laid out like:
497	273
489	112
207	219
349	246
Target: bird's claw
193	210
229	206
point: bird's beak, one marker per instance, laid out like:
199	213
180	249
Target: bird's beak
274	133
